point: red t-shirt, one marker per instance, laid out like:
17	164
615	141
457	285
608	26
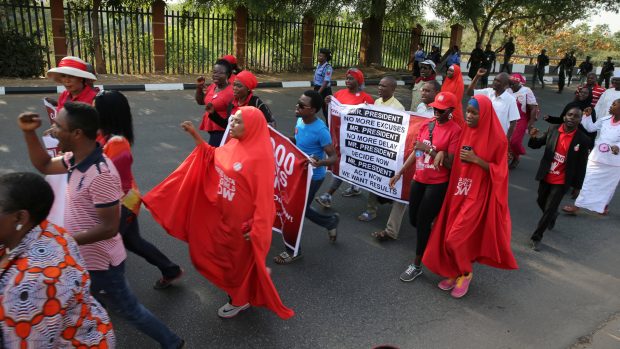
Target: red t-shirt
346	97
557	171
87	96
446	137
220	101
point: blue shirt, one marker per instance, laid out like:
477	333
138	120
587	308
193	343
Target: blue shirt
311	139
322	73
420	56
454	58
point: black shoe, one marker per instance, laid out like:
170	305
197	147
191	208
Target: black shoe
535	245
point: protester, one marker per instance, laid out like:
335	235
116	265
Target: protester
504	104
245	83
73	74
572	62
215	98
434	150
418	58
488	64
609	96
322	81
427	73
562	166
386	89
583	101
235	70
116	138
92	212
45	299
509	50
542	61
603	169
476	60
352	95
454	57
434	56
607	70
474	223
585	68
453	83
563	67
528	111
313	138
226	196
596	89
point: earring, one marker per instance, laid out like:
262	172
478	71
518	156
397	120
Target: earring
18	227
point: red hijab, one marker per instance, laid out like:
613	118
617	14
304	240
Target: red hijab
474	223
218	194
455	85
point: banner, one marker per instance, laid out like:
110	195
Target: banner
372	143
57	182
291	187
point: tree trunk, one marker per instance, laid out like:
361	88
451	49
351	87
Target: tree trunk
375	31
99	63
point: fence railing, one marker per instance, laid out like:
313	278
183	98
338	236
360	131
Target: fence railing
194	40
31	18
395	52
273	45
342	39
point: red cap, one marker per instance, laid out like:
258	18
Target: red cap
444	100
230	59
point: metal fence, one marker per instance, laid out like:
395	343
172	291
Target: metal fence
395	51
342	39
31	18
194	40
273	45
124	35
428	39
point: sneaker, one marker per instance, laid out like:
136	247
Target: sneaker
462	286
228	310
325	200
352	191
367	216
447	284
165	282
535	245
411	273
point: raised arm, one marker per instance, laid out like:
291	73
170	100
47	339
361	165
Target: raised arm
28	122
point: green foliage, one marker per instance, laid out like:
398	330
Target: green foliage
20	55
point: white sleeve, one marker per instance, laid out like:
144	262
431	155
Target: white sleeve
513	111
590	126
530	98
600	106
482	91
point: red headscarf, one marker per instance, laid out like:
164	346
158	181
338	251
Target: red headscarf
357	75
456	86
247	79
474	223
218	195
230	59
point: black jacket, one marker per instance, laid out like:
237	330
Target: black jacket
576	159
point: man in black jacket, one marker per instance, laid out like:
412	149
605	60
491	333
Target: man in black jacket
562	166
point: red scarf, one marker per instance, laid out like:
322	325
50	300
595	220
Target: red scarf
474	223
218	194
456	86
428	78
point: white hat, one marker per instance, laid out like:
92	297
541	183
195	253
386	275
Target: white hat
429	62
72	66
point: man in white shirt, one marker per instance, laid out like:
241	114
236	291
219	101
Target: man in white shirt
504	103
608	97
427	96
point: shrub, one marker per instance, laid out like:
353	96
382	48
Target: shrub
20	55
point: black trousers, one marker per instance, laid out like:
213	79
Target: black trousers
425	202
549	199
561	81
539	74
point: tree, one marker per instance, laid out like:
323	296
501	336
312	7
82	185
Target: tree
489	16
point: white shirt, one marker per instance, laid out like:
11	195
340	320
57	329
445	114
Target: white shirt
604	103
524	97
425	110
505	106
608	135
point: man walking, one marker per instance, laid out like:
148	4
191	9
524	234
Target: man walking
572	62
542	61
584	69
476	60
606	72
509	50
562	166
488	64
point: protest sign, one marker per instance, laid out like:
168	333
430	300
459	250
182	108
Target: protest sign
372	143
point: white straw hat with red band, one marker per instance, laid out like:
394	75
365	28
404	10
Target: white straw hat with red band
73	66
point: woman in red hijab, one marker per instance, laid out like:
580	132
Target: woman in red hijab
245	83
224	210
454	83
474	223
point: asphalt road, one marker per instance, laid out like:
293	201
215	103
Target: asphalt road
348	295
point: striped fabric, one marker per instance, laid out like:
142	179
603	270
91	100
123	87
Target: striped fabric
93	183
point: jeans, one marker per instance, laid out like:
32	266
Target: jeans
125	303
549	199
215	138
327	222
130	231
425	202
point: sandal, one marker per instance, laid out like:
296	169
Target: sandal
382	236
367	216
285	258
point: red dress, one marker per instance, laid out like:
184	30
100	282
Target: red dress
218	194
474	223
456	86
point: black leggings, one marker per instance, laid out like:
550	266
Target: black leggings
425	202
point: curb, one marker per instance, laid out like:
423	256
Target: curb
404	80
